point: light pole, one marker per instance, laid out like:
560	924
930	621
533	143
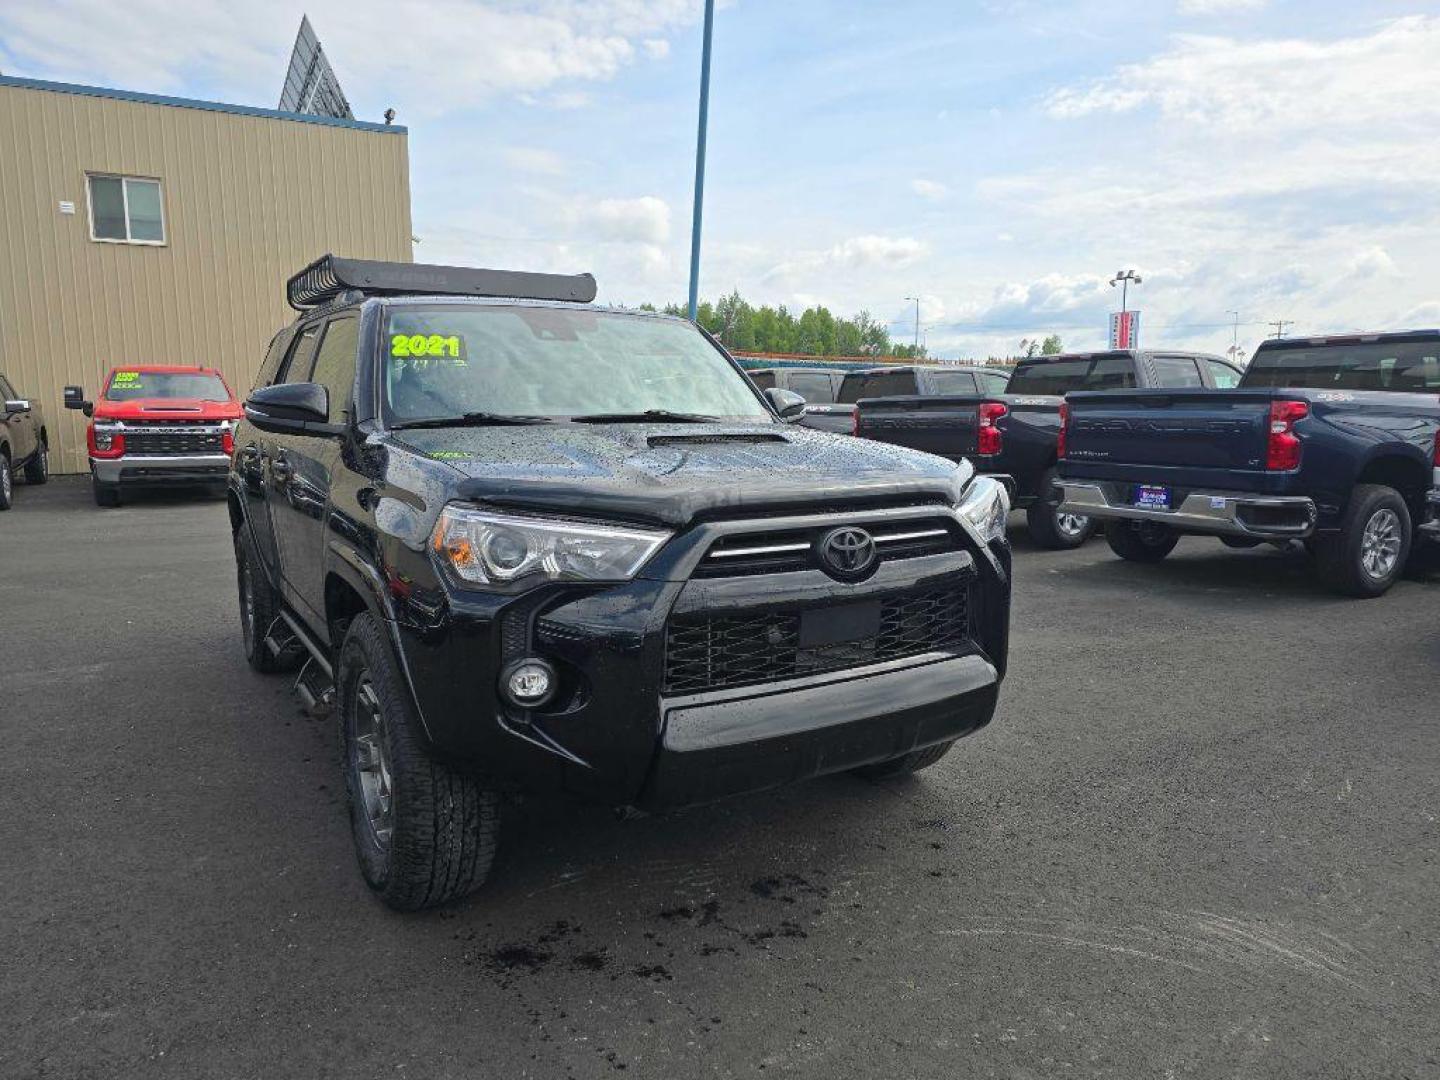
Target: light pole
700	159
1123	278
917	321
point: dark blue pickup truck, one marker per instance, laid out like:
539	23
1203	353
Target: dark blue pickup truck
1334	441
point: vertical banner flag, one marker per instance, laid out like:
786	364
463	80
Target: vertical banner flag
1124	330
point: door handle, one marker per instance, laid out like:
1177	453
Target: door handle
280	469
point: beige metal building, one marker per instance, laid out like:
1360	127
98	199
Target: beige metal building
143	229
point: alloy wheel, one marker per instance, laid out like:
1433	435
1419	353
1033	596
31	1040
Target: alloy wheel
372	761
1071	524
1380	544
5	480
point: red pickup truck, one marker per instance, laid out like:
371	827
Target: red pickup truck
156	425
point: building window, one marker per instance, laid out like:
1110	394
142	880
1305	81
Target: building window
126	210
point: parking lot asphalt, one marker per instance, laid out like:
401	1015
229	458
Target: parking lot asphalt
1199	839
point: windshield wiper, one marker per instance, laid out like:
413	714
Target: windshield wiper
471	419
662	416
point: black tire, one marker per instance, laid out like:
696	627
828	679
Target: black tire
443	825
7	482
1240	543
37	469
259	606
105	494
1141	541
1343	557
905	764
1048	527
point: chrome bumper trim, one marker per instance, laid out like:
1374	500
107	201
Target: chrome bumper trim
108	470
1203	511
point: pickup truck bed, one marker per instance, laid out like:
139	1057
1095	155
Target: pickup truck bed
1334	465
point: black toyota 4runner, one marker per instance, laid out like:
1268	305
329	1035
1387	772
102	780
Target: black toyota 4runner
526	543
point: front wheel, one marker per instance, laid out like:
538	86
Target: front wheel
425	833
37	470
105	494
1368	554
7	482
1141	541
1049	526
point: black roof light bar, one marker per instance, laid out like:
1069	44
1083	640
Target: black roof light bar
330	276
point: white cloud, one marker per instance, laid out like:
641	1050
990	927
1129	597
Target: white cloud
891	252
471	51
1219	7
643	220
929	189
1242	87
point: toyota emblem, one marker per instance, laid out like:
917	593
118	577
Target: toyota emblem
846	553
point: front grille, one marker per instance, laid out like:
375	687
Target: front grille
712	652
794	549
170	443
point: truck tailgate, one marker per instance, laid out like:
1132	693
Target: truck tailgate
938	425
1176	435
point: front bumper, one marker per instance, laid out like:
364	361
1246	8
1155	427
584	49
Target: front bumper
161	468
752	740
624	728
1228	513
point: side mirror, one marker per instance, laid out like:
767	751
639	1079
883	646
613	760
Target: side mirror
290	407
16	405
790	405
75	399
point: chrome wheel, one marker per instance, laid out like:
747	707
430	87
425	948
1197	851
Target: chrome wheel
5	480
1380	545
1071	524
372	761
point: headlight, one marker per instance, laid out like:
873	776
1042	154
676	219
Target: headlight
986	506
496	549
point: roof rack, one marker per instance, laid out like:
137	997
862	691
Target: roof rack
329	276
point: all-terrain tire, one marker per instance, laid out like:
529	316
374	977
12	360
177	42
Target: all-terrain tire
37	469
1048	527
444	825
259	605
1345	558
1140	541
905	764
7	482
105	494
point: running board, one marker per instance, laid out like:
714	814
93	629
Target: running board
311	645
315	690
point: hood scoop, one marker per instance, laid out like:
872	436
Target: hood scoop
737	438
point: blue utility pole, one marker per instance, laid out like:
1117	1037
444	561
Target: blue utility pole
700	160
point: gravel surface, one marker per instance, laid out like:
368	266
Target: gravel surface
1199	839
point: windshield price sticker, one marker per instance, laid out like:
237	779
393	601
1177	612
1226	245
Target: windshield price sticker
424	347
122	377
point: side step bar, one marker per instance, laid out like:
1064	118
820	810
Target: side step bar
315	685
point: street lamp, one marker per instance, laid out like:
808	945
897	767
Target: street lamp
917	321
700	158
1123	278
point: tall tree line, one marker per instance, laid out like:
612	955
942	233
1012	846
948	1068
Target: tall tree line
816	331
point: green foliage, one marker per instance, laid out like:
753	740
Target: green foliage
742	327
1051	346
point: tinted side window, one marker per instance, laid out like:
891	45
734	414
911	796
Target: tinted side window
813	386
994	384
1176	371
1223	375
335	364
271	367
765	380
1111	373
878	384
300	361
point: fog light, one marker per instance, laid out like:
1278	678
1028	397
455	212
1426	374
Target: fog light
529	683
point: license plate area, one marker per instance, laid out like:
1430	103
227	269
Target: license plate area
838	636
1152	497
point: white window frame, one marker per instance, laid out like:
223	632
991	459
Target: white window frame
125	203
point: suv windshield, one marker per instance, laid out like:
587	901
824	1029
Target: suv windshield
1059	377
129	385
452	360
1412	366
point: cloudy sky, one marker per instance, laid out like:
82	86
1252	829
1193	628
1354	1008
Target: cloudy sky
999	158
